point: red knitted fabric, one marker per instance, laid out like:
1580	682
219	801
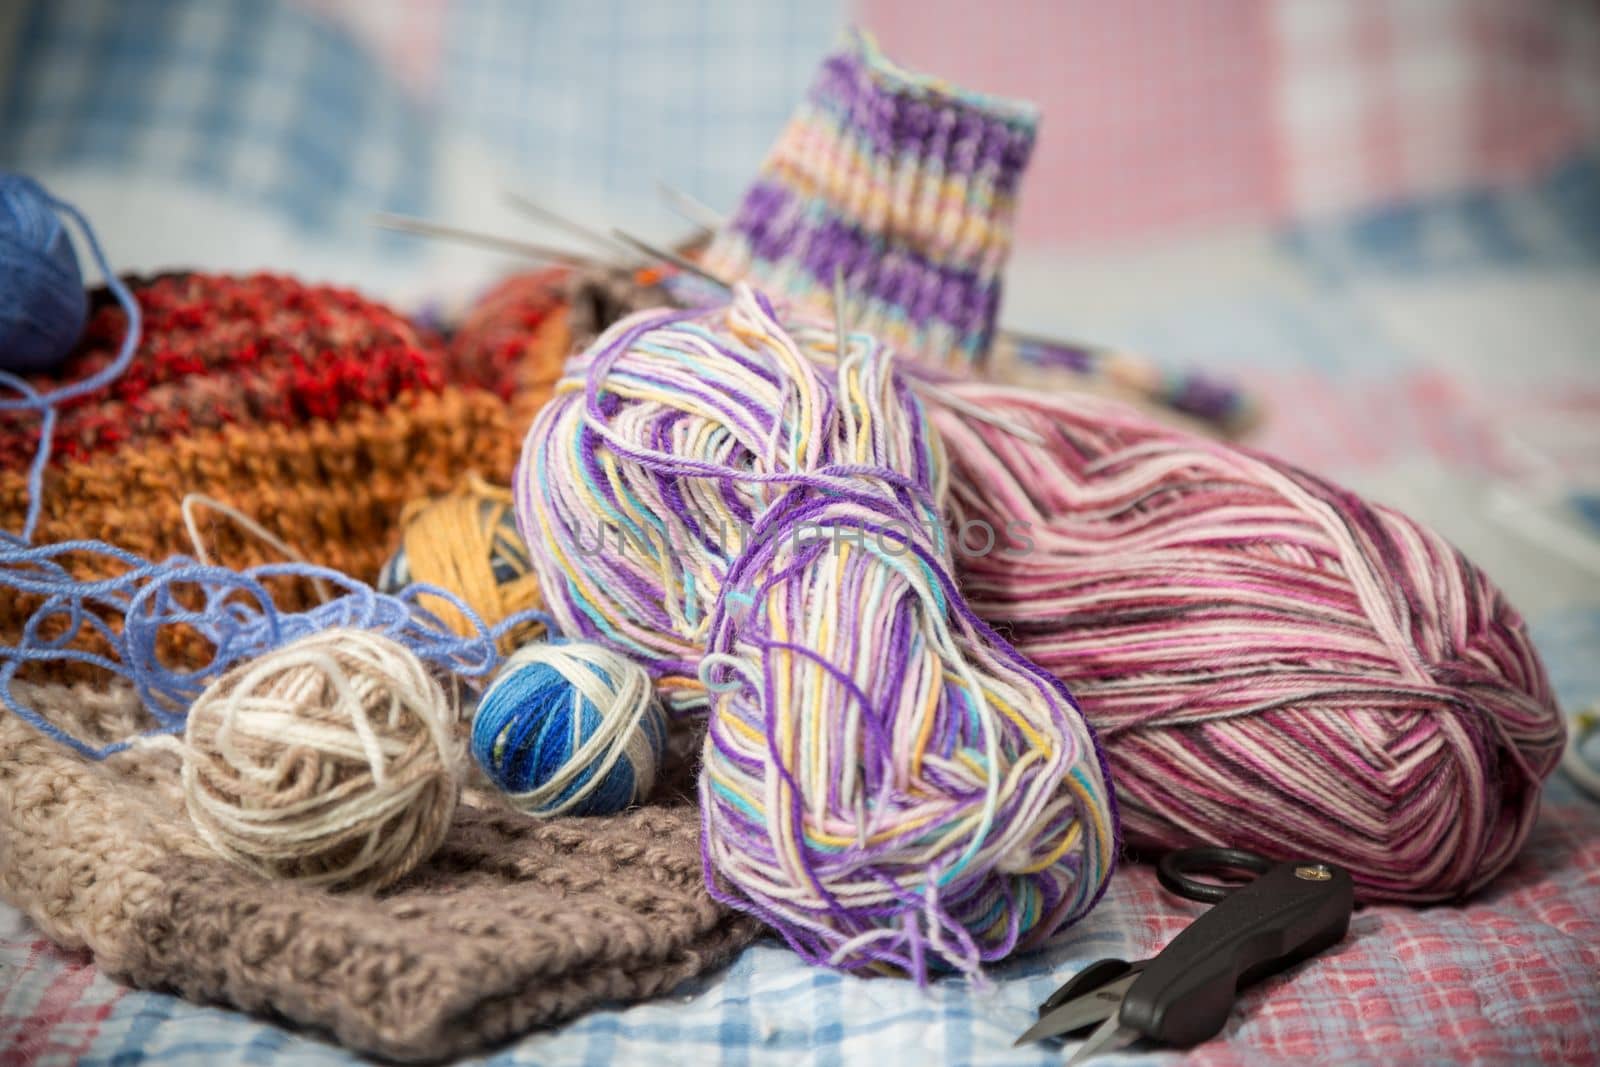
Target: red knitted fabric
221	351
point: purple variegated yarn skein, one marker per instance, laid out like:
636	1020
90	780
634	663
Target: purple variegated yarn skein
886	781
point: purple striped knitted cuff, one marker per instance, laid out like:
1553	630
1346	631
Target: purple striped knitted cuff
906	183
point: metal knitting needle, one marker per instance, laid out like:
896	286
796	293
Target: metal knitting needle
838	311
577	229
1021	337
691	209
425	228
670	257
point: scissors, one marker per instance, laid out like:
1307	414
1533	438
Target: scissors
1289	912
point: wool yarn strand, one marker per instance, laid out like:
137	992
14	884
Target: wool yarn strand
232	611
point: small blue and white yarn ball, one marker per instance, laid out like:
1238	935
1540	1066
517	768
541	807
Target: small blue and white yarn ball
570	728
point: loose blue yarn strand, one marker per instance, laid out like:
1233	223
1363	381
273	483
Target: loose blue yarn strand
239	617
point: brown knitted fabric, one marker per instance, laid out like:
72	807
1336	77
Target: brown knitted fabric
334	490
513	924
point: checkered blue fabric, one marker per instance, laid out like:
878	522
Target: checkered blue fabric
1553	223
286	109
613	97
257	100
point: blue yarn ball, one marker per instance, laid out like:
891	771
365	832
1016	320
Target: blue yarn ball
43	306
570	728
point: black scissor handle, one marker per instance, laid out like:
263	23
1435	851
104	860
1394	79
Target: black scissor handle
1175	868
1292	911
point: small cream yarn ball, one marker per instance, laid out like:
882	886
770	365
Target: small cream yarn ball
330	761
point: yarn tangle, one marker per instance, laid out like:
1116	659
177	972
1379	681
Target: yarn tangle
570	728
1272	662
330	761
467	542
231	611
886	781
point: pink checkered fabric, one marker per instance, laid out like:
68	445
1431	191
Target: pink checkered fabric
1425	415
52	1003
1507	979
1161	114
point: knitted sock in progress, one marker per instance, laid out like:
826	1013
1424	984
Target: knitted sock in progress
904	183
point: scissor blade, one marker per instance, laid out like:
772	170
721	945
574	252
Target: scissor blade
1097	974
1112	1035
1084	1010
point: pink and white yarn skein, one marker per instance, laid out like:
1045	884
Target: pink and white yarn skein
1271	661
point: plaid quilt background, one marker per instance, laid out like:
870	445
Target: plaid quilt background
1162	115
1436	348
321	114
253	98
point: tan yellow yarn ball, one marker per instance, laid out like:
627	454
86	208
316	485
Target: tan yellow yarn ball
467	542
331	761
